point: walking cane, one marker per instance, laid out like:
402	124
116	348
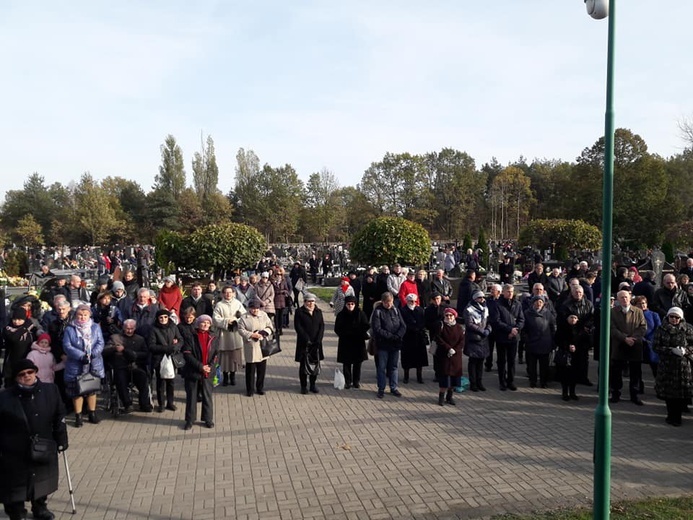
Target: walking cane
69	483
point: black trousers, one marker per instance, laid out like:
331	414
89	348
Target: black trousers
250	370
476	371
489	359
616	377
582	364
60	383
568	378
163	386
296	293
303	376
16	510
352	373
675	409
507	352
193	389
543	361
122	377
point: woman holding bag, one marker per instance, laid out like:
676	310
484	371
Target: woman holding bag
164	340
253	327
83	344
200	352
351	326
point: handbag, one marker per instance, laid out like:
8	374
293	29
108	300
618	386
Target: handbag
561	358
372	346
42	451
166	370
178	359
269	347
88	384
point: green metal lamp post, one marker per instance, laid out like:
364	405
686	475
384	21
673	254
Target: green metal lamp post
602	426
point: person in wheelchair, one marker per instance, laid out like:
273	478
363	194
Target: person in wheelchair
126	354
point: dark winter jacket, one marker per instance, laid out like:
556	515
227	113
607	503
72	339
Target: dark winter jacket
145	318
674	376
351	327
478	329
539	331
310	330
450	337
623	325
164	339
136	351
17	342
664	299
464	296
388	328
24	413
202	305
505	315
192	351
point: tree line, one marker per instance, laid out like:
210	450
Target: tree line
444	191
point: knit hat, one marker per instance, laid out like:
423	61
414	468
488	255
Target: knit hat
309	297
538	297
350	299
411	297
162	312
118	286
345	279
43	336
21	366
203	317
19	313
170	278
264	274
675	311
477	294
452	311
255	303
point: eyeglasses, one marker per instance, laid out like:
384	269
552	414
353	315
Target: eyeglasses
25	373
674	317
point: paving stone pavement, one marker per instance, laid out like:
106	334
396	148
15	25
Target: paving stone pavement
347	455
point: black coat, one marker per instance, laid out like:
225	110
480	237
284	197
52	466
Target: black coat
388	328
309	332
42	404
464	296
202	305
135	351
192	352
161	341
539	331
370	296
17	344
424	289
351	328
505	315
414	353
145	318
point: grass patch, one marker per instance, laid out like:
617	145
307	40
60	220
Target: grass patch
680	508
324	293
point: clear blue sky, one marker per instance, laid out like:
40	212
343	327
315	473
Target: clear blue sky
97	85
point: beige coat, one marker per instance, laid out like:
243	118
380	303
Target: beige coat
623	325
246	326
225	314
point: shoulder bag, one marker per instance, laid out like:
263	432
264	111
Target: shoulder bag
269	347
88	384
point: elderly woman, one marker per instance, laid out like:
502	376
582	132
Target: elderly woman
414	353
170	296
653	320
227	312
351	326
673	341
340	293
282	291
253	327
83	344
539	330
476	345
423	287
310	328
200	352
164	340
448	356
18	336
408	286
264	290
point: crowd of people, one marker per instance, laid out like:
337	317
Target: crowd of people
139	339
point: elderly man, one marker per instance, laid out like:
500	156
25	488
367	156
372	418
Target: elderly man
628	328
144	312
507	321
577	305
442	286
78	294
494	293
127	355
537	276
201	304
388	329
395	280
555	284
668	296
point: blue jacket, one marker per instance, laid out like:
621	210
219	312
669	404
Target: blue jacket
74	348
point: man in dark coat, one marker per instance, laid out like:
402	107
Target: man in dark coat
506	270
310	329
646	287
628	328
578	305
507	321
467	288
144	313
298	272
388	331
668	296
442	286
28	408
537	276
197	301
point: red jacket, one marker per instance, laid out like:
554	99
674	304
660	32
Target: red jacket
171	298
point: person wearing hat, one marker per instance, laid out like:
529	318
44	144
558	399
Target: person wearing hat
18	336
253	327
673	342
100	287
200	353
83	344
170	295
164	340
107	315
539	332
351	326
264	290
43	358
476	344
340	293
415	341
310	329
121	300
408	286
448	358
227	312
568	339
21	479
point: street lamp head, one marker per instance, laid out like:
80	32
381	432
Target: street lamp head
597	9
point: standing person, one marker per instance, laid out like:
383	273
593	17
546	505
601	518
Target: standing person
477	332
442	286
253	327
282	292
313	265
450	340
494	294
264	290
539	332
200	352
407	287
388	330
310	329
395	280
198	302
578	305
298	272
164	340
170	296
83	343
507	322
555	285
628	328
467	288
370	292
56	329
506	270
23	480
673	342
423	287
569	337
18	336
351	326
653	321
43	358
226	315
414	353
340	294
355	283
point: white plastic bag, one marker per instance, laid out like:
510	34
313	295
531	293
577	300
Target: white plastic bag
339	381
166	368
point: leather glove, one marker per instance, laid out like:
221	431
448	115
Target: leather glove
62	448
263	333
451	352
169	350
85	360
238	314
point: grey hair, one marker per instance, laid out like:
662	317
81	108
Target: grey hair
142	290
130	322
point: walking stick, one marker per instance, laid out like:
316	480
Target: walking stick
69	483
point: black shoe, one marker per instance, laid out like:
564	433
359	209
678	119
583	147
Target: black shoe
381	394
260	392
481	387
566	397
574	397
474	388
520	361
314	389
512	387
503	388
441	398
232	378
159	409
147	409
209	424
347	386
396	393
171	407
93	418
250	394
187	426
405	380
43	514
420	380
304	390
636	400
449	399
532	384
127	409
78	420
673	423
357	385
544	385
225	381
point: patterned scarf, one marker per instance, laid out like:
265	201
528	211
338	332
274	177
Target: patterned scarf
84	333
